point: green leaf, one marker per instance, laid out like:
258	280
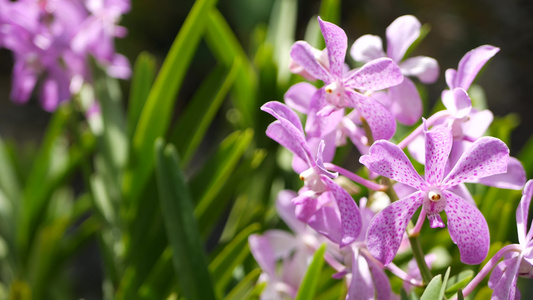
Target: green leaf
193	123
444	283
307	288
182	231
159	282
281	31
245	286
226	48
141	83
458	281
424	30
231	256
206	185
155	116
432	291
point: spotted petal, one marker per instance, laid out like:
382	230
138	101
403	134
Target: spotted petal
400	35
487	156
513	179
388	160
336	43
503	279
406	104
303	54
438	146
350	216
380	120
522	214
468	229
387	228
375	75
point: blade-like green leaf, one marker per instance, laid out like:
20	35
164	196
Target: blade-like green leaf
141	84
458	281
182	231
307	288
281	31
245	286
231	256
432	291
225	46
444	283
193	123
155	116
206	185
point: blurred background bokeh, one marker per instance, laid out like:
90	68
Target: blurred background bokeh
456	27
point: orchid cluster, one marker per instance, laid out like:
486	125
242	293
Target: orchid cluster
363	105
52	41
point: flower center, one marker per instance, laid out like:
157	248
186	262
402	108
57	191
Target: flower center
434	195
313	181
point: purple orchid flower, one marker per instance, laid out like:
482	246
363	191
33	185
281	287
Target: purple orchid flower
517	258
339	90
456	99
319	186
467	226
402	100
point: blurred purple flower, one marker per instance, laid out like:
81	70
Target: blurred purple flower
402	100
467	226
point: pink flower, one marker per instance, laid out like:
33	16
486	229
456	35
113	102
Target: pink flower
467	226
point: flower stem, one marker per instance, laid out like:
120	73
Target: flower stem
490	264
369	184
419	257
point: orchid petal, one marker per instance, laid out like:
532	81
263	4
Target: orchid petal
400	35
263	253
503	282
306	205
478	122
282	242
367	48
316	126
298	97
468	229
433	209
381	281
487	156
290	139
327	221
450	75
388	160
387	228
350	216
513	179
522	213
24	80
406	104
375	75
457	102
361	285
417	149
286	210
438	146
462	191
336	43
283	113
426	69
302	53
471	63
381	122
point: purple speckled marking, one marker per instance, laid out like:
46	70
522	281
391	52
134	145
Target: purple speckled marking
388	227
468	229
388	160
336	44
381	121
302	54
438	146
487	156
350	215
375	75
